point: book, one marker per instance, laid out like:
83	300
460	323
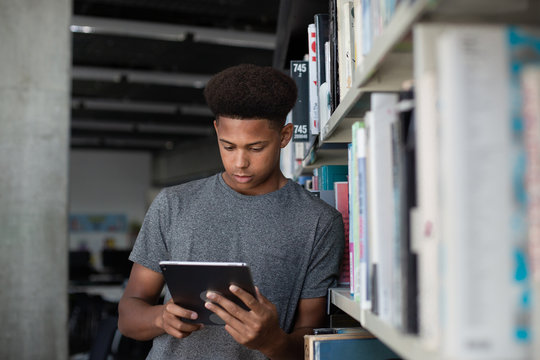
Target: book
483	197
359	217
345	37
330	174
367	27
530	84
404	185
353	232
358	36
425	224
313	92
381	202
334	57
341	190
346	346
300	111
321	34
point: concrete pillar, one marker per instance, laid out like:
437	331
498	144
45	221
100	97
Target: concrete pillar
35	62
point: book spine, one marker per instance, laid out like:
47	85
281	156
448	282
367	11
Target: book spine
341	189
384	115
482	246
366	27
352	216
358	54
313	93
425	224
333	84
321	32
345	30
530	80
363	248
300	111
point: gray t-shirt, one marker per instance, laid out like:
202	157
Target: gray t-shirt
292	241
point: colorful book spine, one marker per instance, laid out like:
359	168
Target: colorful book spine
346	346
353	211
329	174
341	189
313	93
361	248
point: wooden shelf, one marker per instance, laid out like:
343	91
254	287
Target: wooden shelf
406	345
325	154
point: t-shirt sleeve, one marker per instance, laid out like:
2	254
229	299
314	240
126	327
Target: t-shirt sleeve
150	247
323	270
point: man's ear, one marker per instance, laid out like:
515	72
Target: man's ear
286	134
215	125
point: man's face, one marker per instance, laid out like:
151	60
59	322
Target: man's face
250	151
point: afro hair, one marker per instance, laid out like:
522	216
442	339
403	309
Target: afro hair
251	92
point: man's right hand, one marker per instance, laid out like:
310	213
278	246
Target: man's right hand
171	320
140	317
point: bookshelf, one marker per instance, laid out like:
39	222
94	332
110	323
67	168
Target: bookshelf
390	63
406	345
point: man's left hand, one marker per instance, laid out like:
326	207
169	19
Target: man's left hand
256	329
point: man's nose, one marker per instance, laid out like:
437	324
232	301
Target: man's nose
242	159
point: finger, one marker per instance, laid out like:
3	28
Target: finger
232	317
260	296
179	311
238	336
176	323
248	299
177	333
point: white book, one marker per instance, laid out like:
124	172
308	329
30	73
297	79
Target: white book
382	222
358	53
324	91
361	260
530	80
313	95
425	219
348	48
482	314
372	248
340	19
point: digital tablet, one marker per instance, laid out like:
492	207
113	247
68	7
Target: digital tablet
189	281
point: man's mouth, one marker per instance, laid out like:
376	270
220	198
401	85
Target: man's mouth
243	178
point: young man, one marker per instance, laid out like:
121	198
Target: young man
250	213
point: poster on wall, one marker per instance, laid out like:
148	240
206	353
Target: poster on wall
98	223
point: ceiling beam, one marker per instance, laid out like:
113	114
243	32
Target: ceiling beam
136	76
141	128
170	32
148	107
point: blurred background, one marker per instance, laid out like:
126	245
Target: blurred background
110	93
139	122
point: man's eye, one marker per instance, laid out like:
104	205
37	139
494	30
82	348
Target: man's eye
256	149
228	148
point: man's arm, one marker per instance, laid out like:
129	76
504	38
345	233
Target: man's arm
311	314
259	328
139	316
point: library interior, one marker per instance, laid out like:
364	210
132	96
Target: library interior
102	107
